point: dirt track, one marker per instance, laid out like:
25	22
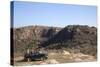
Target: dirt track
56	58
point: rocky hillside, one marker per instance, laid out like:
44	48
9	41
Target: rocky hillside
32	36
75	38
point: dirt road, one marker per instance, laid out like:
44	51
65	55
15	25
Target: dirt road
56	58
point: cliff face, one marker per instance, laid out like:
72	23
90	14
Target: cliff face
72	38
32	36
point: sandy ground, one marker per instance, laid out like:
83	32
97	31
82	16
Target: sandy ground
56	58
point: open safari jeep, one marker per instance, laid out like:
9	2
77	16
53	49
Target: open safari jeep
39	55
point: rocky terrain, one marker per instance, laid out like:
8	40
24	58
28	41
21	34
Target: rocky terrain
57	58
32	36
75	40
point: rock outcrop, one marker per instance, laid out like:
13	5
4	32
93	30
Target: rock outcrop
31	36
76	38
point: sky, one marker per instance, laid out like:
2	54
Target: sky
51	14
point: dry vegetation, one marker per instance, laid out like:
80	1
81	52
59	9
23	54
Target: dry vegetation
74	43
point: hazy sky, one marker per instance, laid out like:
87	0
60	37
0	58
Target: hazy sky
47	14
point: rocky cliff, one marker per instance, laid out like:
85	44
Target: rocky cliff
77	38
32	36
74	38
